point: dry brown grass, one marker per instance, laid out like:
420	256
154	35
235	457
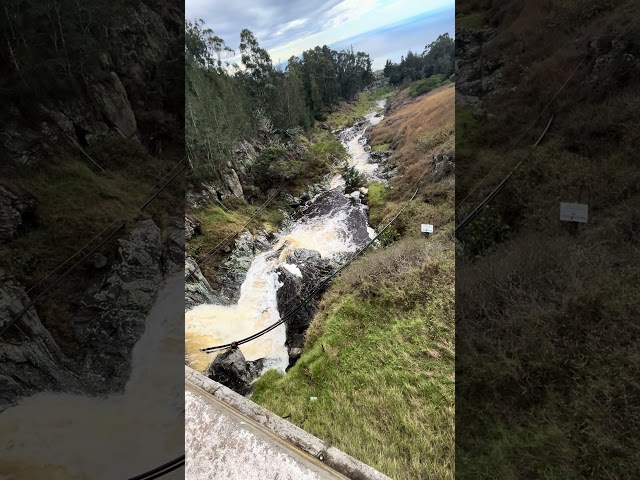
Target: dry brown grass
417	129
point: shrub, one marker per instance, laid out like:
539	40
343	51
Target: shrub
352	177
275	164
427	84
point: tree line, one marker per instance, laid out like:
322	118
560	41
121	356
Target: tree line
228	103
438	58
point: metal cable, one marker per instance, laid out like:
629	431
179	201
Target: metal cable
208	255
521	136
161	470
107	228
87	255
313	293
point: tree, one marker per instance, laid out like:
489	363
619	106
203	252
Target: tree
256	60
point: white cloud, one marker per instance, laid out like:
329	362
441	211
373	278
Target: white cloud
293	24
349	10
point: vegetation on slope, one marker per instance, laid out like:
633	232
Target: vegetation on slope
75	201
380	353
547	333
57	56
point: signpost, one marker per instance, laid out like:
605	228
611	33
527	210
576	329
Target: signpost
574	212
426	228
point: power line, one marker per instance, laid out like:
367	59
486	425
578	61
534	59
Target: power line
87	255
107	228
312	294
476	211
161	470
521	136
208	255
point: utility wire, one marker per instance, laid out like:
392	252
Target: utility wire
312	294
476	211
87	255
208	255
161	470
106	229
521	136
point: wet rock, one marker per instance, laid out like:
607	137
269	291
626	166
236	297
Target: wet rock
197	289
13	211
173	246
295	289
30	358
231	369
355	197
112	315
328	204
191	228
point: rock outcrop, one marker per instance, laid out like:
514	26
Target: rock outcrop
232	370
296	288
30	358
13	211
112	317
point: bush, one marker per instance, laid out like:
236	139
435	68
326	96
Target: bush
275	164
352	177
427	84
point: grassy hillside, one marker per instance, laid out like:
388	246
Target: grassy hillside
379	355
547	333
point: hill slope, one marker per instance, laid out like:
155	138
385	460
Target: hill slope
379	355
546	329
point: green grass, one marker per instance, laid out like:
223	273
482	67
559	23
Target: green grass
347	112
380	353
426	85
377	197
76	201
473	21
383	147
381	363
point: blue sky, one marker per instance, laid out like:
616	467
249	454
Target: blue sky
382	28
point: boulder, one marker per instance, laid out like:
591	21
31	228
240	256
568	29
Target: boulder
30	358
112	98
231	369
112	315
295	288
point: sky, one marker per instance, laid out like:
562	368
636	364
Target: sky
382	28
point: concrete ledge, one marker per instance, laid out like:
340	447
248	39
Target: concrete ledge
330	456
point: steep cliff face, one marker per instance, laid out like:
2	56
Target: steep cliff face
127	90
117	97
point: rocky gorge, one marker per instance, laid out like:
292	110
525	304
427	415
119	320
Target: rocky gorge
266	277
112	121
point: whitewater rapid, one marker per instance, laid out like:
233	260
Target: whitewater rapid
257	308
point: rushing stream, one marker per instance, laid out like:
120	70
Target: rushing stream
66	436
331	233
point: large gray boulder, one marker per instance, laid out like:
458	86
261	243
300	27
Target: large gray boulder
113	313
233	371
30	358
296	288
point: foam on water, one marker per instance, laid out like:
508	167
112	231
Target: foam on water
257	307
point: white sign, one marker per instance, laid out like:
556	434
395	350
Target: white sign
426	228
574	212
